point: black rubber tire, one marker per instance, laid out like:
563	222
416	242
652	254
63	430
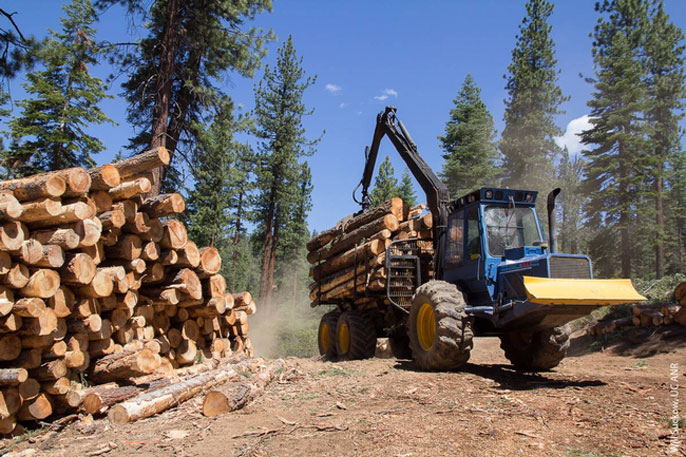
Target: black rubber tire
537	351
453	328
329	320
400	345
361	336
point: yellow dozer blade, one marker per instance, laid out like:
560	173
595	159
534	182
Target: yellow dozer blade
599	292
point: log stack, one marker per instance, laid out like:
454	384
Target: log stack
348	260
648	315
99	283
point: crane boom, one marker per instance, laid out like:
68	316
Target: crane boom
437	197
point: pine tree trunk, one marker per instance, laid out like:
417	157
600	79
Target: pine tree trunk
660	221
266	253
163	89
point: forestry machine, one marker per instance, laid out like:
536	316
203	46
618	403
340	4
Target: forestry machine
491	274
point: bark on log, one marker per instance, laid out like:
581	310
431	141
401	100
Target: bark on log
35	187
139	225
164	205
71	213
13	376
67	239
680	293
42	325
41	209
123	366
155	232
104	177
339	262
146	161
233	397
89	231
50	370
128	247
5	263
150	403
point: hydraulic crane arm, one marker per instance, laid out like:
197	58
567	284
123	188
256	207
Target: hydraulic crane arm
437	197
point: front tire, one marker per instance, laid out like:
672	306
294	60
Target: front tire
355	336
440	330
536	351
326	337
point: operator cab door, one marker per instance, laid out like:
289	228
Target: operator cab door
464	256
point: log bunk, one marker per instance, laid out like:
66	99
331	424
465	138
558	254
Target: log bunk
349	260
99	283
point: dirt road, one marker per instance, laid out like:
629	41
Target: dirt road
611	403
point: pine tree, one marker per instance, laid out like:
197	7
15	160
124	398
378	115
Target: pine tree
18	53
178	67
616	142
666	90
50	133
279	110
385	184
534	99
406	189
470	151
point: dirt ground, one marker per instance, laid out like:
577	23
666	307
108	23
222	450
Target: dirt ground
614	402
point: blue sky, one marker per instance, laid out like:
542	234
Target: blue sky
366	54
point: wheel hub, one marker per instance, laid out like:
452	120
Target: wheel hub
344	337
426	326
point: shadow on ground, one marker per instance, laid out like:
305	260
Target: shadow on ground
633	342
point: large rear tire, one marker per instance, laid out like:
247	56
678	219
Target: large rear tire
326	337
536	351
355	336
439	329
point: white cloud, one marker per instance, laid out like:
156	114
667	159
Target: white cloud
343	105
386	93
571	138
333	88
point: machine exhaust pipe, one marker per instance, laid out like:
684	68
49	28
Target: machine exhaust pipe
552	242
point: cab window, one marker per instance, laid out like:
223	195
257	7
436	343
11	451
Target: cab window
473	238
455	249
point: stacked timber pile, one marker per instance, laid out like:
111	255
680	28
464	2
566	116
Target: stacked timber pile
648	315
98	283
348	260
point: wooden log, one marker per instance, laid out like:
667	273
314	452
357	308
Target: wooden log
169	258
150	403
393	206
104	177
187	282
8	425
35	187
42	325
139	225
128	247
79	268
57	349
146	161
6	300
102	397
174	236
59	386
163	296
77	179
67	239
92	323
112	219
210	262
10	323
52	369
151	251
680	316
231	398
10	208
89	231
128	189
155	231
5	263
214	286
38	210
97	252
124	365
339	262
28	389
51	256
128	207
17	277
11	236
680	293
37	409
164	205
342	276
10	401
43	283
28	307
71	213
13	376
101	286
189	255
